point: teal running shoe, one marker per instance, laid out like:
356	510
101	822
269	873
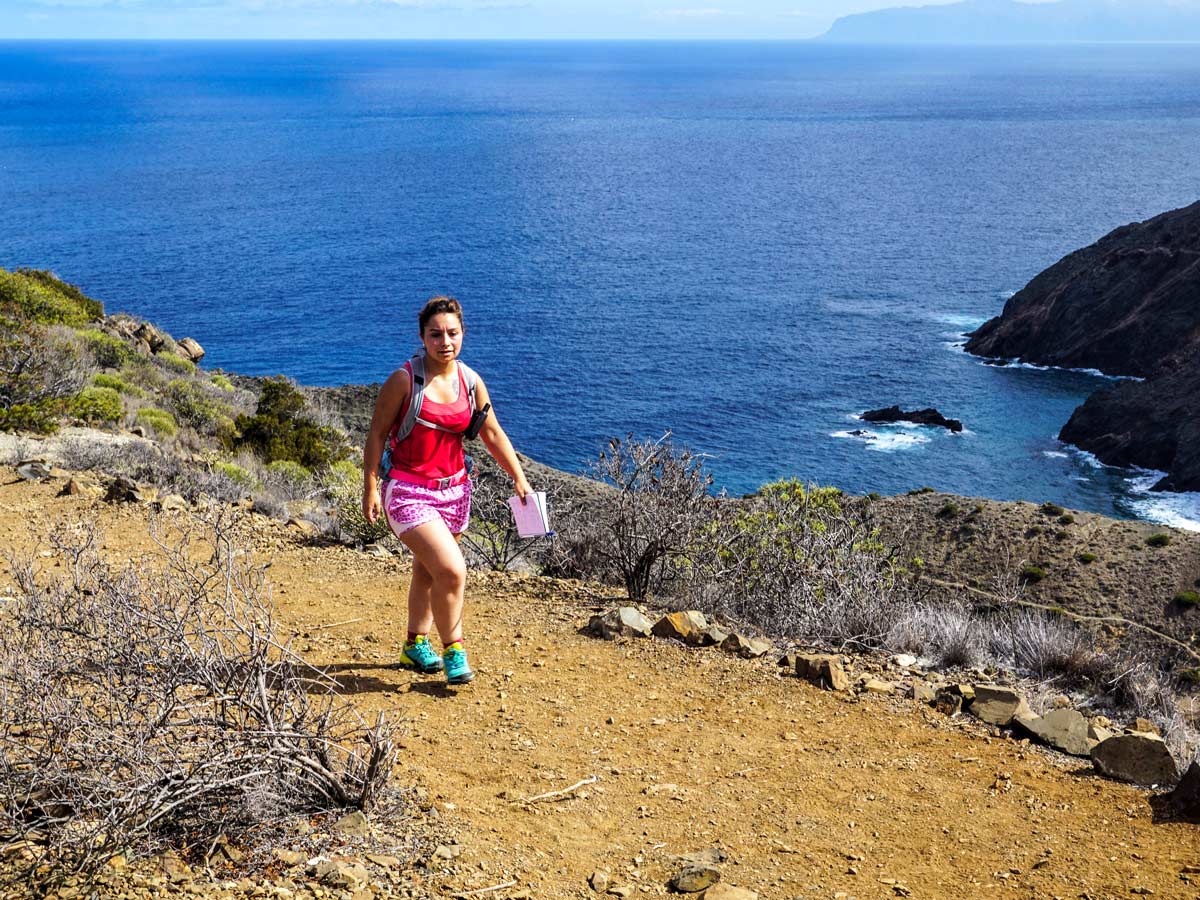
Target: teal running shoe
420	655
457	669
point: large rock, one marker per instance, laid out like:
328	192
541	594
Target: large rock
998	705
823	670
745	647
33	470
928	416
1125	305
689	627
151	336
123	490
694	878
1185	799
1136	758
722	891
624	621
1063	729
189	348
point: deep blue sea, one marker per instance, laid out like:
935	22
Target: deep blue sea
746	243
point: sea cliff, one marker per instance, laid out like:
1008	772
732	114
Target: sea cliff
1128	305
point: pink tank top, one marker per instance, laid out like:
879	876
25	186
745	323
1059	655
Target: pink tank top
429	452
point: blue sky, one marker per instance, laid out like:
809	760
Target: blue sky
427	18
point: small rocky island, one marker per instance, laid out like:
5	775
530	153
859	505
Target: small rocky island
928	416
1129	304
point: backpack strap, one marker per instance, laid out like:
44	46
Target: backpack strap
416	372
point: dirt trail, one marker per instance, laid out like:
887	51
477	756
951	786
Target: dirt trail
811	794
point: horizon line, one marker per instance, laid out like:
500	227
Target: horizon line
591	40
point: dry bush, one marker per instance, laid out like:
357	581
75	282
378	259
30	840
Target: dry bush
149	463
1052	648
151	705
952	635
648	530
492	538
41	367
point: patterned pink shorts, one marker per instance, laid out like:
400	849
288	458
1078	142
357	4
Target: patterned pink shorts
409	505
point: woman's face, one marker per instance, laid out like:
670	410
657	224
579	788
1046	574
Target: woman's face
443	337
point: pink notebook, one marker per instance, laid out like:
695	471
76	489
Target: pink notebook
532	517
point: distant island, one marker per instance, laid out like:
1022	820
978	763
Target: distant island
1007	21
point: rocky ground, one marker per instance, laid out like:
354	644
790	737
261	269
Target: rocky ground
571	757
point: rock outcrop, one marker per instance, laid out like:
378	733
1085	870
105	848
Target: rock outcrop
928	416
1129	304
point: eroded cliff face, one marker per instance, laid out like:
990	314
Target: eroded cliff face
1129	304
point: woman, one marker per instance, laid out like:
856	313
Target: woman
427	499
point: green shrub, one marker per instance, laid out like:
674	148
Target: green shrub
110	352
1190	676
41	417
173	362
235	473
289	471
1158	540
140	373
193	406
1032	574
873	496
114	382
1087	557
161	422
948	511
920	490
222	382
1187	598
279	430
1052	509
39	297
97	405
344	484
1033	531
1068	519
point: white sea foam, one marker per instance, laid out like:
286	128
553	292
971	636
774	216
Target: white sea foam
1056	454
1019	364
1179	510
883	441
962	322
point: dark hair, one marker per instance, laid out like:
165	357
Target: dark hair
439	304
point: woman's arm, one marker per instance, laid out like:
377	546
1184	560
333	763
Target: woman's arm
393	397
499	445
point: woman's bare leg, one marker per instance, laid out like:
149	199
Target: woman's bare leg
420	601
439	562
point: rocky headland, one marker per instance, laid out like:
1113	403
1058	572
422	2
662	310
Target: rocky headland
1127	305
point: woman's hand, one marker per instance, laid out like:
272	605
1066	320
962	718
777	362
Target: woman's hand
371	505
521	488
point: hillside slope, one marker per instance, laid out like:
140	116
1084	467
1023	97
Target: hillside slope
810	794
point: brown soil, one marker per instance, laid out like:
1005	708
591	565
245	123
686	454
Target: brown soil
811	794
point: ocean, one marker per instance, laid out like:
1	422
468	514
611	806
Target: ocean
745	243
